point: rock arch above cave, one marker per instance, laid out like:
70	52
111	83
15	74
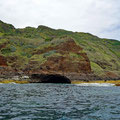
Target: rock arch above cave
52	78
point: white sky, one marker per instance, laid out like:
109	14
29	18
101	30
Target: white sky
99	17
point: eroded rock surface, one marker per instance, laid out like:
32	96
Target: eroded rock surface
3	61
42	50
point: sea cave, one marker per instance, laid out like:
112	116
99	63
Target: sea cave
52	78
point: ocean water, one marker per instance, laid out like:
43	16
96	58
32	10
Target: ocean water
59	102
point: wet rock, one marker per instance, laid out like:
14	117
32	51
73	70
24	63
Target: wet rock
117	84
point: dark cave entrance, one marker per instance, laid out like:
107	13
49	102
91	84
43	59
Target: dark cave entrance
43	78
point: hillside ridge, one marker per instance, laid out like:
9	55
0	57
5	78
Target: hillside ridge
47	50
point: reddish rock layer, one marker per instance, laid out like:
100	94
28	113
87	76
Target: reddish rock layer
3	61
65	63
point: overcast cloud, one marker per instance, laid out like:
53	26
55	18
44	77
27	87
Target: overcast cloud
99	17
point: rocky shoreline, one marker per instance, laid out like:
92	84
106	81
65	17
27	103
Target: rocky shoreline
45	55
29	81
53	78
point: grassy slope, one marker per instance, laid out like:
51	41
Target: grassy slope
104	54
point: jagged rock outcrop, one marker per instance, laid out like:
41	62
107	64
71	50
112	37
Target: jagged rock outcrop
70	59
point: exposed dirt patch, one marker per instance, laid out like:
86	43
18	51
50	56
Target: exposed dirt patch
66	47
65	63
2	46
3	61
111	75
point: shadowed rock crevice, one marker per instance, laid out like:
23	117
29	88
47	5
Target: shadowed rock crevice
42	78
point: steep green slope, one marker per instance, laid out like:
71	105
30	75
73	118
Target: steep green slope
18	45
6	29
104	54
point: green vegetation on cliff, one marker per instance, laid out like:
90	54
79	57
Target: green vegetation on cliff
29	48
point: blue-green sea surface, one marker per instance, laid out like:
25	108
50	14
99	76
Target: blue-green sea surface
59	102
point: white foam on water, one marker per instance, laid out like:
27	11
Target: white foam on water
95	84
8	83
12	83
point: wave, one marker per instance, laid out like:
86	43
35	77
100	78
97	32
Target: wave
95	84
8	83
12	83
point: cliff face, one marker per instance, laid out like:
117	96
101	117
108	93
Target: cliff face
67	57
49	51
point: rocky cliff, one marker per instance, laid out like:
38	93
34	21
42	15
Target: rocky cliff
43	50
